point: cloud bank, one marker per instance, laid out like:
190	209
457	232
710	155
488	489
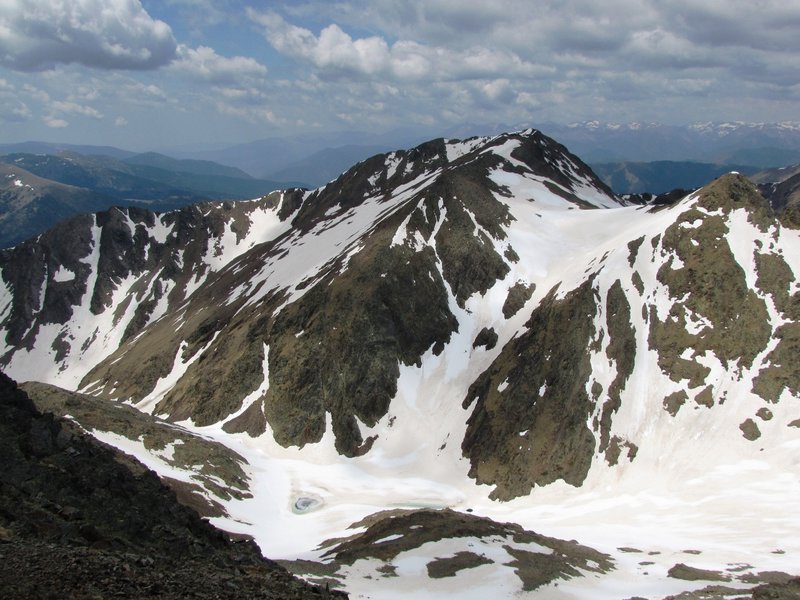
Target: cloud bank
104	34
243	70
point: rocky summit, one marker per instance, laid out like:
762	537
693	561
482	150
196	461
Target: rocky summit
477	326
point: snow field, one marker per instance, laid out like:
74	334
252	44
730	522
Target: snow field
729	501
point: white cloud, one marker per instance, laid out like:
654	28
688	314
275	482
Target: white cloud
381	64
498	90
205	64
36	93
335	53
108	34
741	38
203	13
55	123
20	112
76	109
141	94
120	122
12	109
255	114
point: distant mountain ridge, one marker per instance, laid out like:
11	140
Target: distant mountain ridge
54	187
56	148
30	204
327	164
195	167
758	144
662	176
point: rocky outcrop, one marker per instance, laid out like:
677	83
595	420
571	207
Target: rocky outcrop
78	520
784	197
394	535
213	473
529	422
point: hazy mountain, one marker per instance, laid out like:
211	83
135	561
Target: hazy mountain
325	165
764	157
662	176
55	148
144	177
757	144
777	175
446	362
194	167
266	157
37	191
31	204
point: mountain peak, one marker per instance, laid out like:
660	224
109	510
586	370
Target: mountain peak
479	319
733	191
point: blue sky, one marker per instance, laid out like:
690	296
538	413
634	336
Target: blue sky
168	73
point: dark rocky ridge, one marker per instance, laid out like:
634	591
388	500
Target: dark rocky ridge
78	520
337	349
126	247
217	472
528	425
784	196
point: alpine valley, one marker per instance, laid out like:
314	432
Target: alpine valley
464	370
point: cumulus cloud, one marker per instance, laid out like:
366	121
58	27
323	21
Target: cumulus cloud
76	109
55	123
767	25
205	64
383	63
335	53
741	38
564	58
137	93
36	35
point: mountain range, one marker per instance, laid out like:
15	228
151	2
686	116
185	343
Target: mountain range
424	377
756	144
38	190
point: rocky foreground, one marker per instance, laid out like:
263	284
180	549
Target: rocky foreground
79	521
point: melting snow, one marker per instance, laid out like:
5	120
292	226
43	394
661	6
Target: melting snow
707	493
63	274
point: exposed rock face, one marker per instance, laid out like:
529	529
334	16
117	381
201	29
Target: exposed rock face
393	535
213	472
567	332
418	233
541	410
784	196
529	422
73	512
714	284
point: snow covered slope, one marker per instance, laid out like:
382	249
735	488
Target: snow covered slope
472	324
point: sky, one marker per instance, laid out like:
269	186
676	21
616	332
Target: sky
147	74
